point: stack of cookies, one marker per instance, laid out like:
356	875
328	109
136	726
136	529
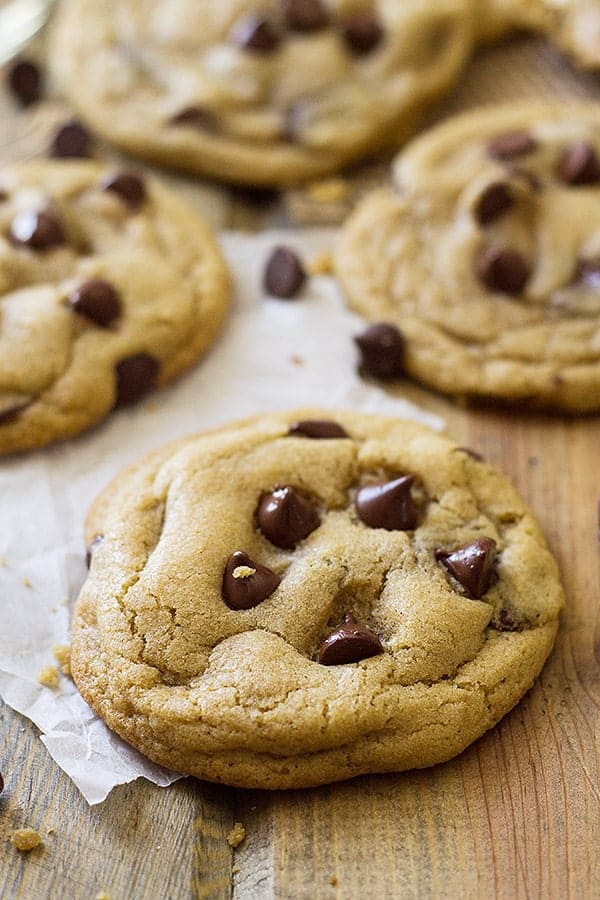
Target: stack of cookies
304	597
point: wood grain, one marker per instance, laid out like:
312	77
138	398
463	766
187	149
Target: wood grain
516	816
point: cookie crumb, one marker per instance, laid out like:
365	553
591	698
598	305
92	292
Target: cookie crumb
333	880
27	582
329	190
62	655
3	561
243	572
102	896
25	839
296	360
321	264
48	677
236	835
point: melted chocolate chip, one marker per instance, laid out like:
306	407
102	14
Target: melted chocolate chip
502	269
349	643
37	230
362	33
25	81
285	518
305	15
284	273
473	566
247	583
71	140
91	548
382	351
195	117
255	33
578	165
318	429
136	376
129	187
96	300
12	413
388	504
493	203
511	145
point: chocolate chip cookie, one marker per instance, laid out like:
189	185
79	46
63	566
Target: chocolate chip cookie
257	91
109	287
485	254
301	598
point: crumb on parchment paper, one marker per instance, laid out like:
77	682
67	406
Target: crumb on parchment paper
25	839
62	655
236	835
321	264
48	677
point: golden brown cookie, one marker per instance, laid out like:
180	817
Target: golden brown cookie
305	597
485	253
109	287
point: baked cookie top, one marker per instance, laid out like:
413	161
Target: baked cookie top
304	597
257	91
109	286
486	254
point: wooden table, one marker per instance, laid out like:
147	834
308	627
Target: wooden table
516	816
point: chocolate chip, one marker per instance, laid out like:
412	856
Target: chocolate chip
92	547
506	621
502	269
305	15
247	583
588	273
97	300
473	566
71	140
318	429
578	164
349	643
382	351
493	203
25	82
362	33
284	273
1	783
388	504
195	117
129	187
12	413
285	518
136	376
37	230
511	145
256	33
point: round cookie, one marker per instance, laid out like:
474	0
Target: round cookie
486	254
301	598
109	286
257	91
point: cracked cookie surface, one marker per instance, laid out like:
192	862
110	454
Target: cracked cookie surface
109	286
486	255
257	91
279	603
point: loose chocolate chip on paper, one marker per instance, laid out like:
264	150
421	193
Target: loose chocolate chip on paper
502	269
92	547
284	273
350	643
362	33
129	187
473	566
388	504
12	413
136	376
255	33
72	140
493	203
25	82
305	15
579	165
511	145
38	230
382	351
286	518
317	429
96	300
247	583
